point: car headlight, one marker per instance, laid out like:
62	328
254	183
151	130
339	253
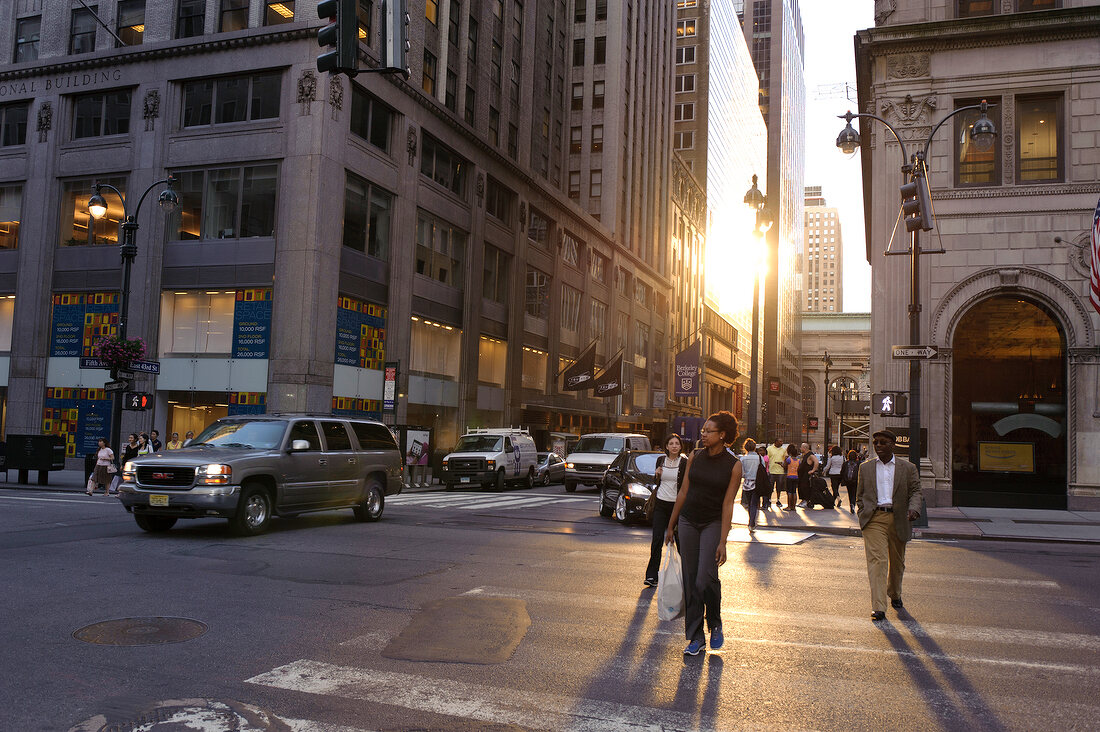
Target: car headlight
445	464
214	474
128	472
638	489
570	466
491	463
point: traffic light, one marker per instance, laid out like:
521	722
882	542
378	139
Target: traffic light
395	42
137	401
890	405
916	205
341	34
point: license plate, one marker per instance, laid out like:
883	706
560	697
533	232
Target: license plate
460	480
158	500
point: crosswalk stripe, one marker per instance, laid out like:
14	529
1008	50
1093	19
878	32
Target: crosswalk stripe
467	700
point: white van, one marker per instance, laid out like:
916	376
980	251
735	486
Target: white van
594	452
491	458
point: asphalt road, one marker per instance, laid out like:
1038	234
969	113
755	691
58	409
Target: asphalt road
524	610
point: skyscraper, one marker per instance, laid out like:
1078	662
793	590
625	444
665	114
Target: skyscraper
822	256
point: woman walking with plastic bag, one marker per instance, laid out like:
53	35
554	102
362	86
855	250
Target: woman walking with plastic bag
670	475
104	469
702	516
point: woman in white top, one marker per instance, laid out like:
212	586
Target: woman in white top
750	497
104	458
670	476
833	469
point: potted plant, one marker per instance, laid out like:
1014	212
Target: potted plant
118	353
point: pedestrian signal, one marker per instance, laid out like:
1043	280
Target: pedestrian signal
137	401
890	405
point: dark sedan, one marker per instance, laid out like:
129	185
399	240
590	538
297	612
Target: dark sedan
550	469
627	484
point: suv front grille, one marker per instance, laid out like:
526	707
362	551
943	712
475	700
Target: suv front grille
166	476
590	468
473	464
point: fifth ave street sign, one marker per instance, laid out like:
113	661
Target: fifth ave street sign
144	367
914	352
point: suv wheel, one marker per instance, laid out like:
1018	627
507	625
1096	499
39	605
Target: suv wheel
154	524
605	511
253	512
375	502
570	486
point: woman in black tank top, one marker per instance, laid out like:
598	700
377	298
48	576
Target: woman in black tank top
702	517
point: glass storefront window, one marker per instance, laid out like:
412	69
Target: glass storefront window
492	360
213	201
196	322
435	349
534	368
7	316
1039	126
11	204
78	228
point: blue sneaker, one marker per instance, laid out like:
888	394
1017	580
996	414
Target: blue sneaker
694	648
716	638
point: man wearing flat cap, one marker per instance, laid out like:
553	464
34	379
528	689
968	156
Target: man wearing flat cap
888	498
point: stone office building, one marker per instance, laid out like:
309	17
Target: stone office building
329	227
1010	403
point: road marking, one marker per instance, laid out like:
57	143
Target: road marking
467	502
472	701
85	501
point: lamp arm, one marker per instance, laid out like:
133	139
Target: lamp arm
928	142
143	195
118	193
849	116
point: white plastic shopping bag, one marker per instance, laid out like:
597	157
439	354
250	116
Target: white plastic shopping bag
670	586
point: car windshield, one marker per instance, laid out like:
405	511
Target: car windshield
479	443
543	457
612	445
265	434
645	463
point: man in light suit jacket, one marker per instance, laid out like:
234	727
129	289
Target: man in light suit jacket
888	498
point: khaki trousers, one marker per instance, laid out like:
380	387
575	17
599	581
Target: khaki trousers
885	559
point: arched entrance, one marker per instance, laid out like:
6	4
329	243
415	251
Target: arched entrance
1008	431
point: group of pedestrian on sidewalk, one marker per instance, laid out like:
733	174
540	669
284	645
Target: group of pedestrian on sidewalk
105	475
694	502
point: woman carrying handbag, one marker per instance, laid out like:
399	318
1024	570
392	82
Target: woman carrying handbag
670	475
104	469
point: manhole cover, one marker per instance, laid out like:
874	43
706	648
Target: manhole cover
140	631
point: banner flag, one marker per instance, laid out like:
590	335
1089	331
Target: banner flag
1094	280
610	381
687	371
580	374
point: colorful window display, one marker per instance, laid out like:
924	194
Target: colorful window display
80	319
252	323
80	415
353	407
247	402
360	333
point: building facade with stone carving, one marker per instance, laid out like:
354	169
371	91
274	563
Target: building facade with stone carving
1010	401
449	224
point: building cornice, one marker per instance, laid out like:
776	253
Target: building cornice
1054	189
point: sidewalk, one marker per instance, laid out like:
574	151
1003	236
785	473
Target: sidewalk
1003	524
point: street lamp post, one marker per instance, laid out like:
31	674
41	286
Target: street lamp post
828	363
97	207
916	205
758	202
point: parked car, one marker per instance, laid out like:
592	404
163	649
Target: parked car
594	452
551	468
249	468
491	458
627	484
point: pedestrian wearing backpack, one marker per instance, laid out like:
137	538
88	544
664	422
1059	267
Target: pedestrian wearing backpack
752	469
833	469
849	477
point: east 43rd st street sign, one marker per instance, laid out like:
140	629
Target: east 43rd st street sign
911	352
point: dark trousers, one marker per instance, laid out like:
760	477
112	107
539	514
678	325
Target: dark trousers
804	488
779	483
662	512
751	501
702	589
851	494
834	481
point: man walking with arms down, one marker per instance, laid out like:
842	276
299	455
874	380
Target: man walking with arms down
888	498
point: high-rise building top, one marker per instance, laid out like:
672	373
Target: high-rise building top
822	256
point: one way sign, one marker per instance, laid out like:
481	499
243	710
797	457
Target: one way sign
914	352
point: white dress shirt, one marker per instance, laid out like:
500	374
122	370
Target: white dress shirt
884	480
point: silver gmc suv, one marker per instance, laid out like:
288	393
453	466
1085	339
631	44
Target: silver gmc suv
249	468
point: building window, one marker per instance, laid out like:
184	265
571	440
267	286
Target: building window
98	115
537	296
82	32
454	21
233	15
11	205
597	94
371	120
685	83
682	4
1024	6
538	229
471	36
440	250
685	28
500	201
492	360
641	344
365	15
450	96
578	96
442	165
599	50
366	217
622	329
597	138
435	349
575	140
231	99
78	227
496	274
513	141
431	11
1038	139
27	32
598	267
597	323
580	11
683	140
622	282
197	322
131	22
974	167
641	293
428	81
685	112
225	203
578	52
495	69
574	184
534	368
494	127
601	10
191	18
468	110
571	250
279	12
13	123
595	183
570	308
685	55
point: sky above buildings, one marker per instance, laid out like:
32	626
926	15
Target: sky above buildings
830	62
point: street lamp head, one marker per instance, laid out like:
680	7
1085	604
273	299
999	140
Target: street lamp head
754	198
97	206
983	132
168	200
848	139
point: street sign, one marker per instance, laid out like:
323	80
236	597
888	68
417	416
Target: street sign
116	385
914	352
87	362
144	367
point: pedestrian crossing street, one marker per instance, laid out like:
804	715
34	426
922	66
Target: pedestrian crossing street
496	501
